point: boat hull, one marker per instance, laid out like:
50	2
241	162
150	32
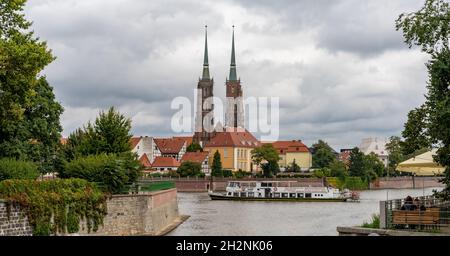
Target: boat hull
272	199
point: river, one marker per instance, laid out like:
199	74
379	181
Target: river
231	218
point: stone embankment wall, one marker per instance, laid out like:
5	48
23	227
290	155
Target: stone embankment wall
142	214
14	223
406	182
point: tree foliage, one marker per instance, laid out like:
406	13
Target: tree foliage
267	157
394	148
322	154
110	133
216	169
415	131
430	28
29	115
194	147
356	163
190	169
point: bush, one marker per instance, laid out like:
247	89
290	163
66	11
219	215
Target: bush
14	169
374	224
112	171
242	174
227	173
190	169
323	172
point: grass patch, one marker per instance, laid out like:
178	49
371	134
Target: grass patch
155	186
375	222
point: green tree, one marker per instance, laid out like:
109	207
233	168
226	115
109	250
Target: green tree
190	169
29	115
322	154
216	170
267	157
338	169
373	166
356	163
396	156
110	133
438	102
113	132
194	147
429	28
415	131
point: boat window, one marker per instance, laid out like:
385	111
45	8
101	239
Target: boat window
243	194
229	193
235	194
308	195
292	195
276	194
299	195
285	195
251	194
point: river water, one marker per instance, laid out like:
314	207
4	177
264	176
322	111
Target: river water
231	218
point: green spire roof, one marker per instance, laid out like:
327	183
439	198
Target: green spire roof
205	75
233	76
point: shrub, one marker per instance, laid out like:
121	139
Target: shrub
227	173
374	224
56	206
241	174
112	171
14	169
190	169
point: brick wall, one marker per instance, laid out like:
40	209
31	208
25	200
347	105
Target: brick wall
406	182
16	224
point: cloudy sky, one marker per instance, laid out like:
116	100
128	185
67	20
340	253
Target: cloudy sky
339	68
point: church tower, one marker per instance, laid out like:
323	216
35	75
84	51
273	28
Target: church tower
234	114
204	117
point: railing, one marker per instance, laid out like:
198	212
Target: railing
423	213
229	178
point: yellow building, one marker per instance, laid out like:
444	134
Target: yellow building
293	150
234	148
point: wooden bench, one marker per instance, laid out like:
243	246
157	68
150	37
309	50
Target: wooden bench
416	217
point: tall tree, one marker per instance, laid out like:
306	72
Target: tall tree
430	28
394	149
216	169
110	133
356	166
29	115
322	154
415	131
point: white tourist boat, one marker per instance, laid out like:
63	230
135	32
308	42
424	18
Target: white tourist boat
272	191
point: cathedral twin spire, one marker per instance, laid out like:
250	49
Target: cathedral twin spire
205	74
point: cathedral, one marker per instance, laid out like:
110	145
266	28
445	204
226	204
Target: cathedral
205	128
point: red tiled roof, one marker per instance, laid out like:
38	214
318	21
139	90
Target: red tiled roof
169	145
145	161
188	139
197	157
289	146
134	141
234	139
162	161
63	141
344	156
